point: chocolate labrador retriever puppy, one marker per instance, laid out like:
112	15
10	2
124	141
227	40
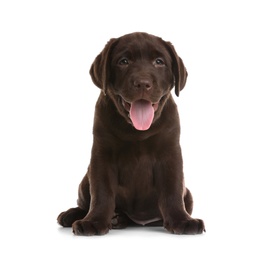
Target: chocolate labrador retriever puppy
136	170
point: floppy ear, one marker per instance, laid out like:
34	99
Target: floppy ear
179	70
99	70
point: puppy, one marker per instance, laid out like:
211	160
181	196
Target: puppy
136	170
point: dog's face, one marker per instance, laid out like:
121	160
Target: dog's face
138	71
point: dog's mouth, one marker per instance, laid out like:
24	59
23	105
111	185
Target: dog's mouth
141	112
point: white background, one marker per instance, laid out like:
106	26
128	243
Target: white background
46	115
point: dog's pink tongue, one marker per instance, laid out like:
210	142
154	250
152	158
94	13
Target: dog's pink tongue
141	114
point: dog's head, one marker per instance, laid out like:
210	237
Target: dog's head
138	71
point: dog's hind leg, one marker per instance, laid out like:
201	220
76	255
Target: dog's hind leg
67	218
188	201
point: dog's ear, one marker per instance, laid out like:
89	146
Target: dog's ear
179	70
99	70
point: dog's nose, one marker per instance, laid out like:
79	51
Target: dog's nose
143	84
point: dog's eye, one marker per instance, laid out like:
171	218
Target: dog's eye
159	62
123	61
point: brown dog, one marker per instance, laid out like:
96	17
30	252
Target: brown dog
136	170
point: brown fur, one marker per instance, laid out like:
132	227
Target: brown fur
135	176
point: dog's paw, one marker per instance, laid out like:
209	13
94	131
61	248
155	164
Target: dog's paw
119	221
67	218
188	226
90	228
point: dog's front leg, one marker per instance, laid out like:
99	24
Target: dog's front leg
173	197
102	181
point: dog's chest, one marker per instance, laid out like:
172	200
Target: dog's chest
135	167
136	195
